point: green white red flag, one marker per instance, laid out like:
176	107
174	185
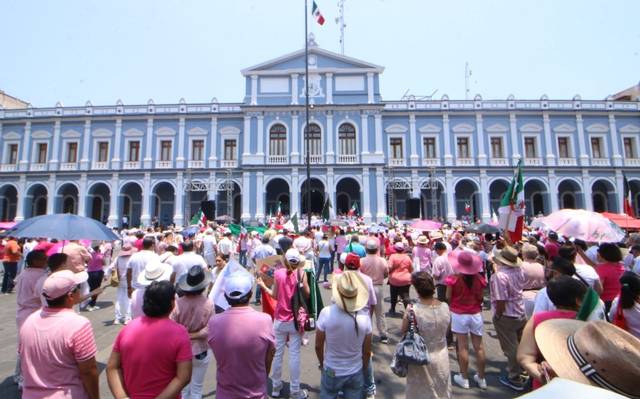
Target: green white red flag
511	209
317	14
354	210
199	218
628	207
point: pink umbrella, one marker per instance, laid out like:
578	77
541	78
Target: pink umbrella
426	225
584	225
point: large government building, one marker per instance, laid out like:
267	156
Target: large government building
411	158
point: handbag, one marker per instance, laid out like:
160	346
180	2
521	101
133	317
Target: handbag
412	349
114	281
302	319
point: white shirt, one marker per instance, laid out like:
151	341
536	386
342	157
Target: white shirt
343	347
631	315
592	253
209	245
137	262
225	246
182	263
263	251
324	249
587	273
543	303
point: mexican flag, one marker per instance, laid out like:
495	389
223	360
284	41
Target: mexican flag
199	219
317	14
279	210
628	207
512	206
467	207
354	210
292	224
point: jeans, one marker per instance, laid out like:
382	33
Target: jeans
284	330
95	280
402	292
193	390
123	303
10	270
351	386
369	386
242	258
324	265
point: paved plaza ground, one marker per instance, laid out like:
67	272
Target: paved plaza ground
388	385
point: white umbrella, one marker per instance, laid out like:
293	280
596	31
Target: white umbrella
584	225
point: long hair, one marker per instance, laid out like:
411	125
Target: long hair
629	289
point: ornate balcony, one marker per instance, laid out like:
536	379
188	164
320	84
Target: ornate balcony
632	162
315	159
397	162
196	164
164	164
567	162
430	162
131	165
100	165
277	160
8	167
600	162
69	166
464	162
348	158
229	163
36	167
533	162
499	162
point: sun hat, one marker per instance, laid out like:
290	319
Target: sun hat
350	292
154	271
594	353
465	262
195	279
238	284
372	244
293	256
399	246
127	249
60	283
508	256
423	240
352	261
435	235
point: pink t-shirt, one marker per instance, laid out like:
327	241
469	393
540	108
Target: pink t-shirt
465	300
533	275
240	357
506	285
286	286
194	312
341	243
375	267
610	277
27	296
96	263
423	254
400	267
52	343
441	269
150	350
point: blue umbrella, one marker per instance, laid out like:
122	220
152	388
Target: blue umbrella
63	227
190	231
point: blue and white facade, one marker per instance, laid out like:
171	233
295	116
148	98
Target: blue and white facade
136	160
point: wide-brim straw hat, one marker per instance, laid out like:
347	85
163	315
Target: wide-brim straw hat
350	292
595	353
422	240
127	250
465	262
154	271
508	256
436	235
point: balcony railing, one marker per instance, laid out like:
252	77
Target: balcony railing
533	161
100	165
567	162
464	161
632	162
600	162
38	166
8	167
315	159
278	159
347	158
164	164
131	165
499	162
430	162
229	163
396	162
69	166
196	164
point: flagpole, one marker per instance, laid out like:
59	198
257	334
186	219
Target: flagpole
306	106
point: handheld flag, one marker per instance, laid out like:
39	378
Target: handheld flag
292	224
354	210
217	292
279	210
467	207
317	14
326	210
512	206
199	218
628	207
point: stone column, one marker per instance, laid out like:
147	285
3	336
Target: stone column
446	133
415	184
381	211
365	195
260	138
551	158
484	196
213	136
294	89
145	217
86	143
330	138
246	137
52	194
378	131
254	89
584	157
480	138
53	162
364	122
451	196
181	156
329	79
24	162
212	193
331	191
115	161
553	192
260	190
178	210
370	98
619	191
586	190
295	192
246	196
22	194
295	136
114	219
148	143
515	139
615	143
412	139
82	195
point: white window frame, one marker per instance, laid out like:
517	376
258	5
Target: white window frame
572	150
537	143
436	143
634	143
322	140
229	133
34	150
229	137
204	147
603	141
5	152
404	145
469	137
126	148
501	136
159	141
287	152
336	130
65	149
96	149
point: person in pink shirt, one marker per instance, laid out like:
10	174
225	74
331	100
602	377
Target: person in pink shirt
376	268
95	268
534	277
55	262
552	246
57	346
285	280
422	255
441	269
243	355
610	269
400	269
193	311
151	356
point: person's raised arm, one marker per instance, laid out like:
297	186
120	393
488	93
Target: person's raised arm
182	378
115	377
89	377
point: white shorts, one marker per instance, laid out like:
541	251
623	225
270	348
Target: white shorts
467	323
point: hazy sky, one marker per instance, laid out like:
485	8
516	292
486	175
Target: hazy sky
79	50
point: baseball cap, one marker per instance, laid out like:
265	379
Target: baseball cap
292	255
372	244
352	261
60	283
238	285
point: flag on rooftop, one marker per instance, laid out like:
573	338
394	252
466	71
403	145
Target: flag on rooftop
317	14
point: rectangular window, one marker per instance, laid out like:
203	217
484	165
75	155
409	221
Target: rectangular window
134	151
596	147
496	147
165	150
315	139
42	153
229	150
463	147
530	149
13	154
629	148
72	152
563	147
347	137
278	140
103	151
197	150
429	144
396	147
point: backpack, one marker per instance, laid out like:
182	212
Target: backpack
302	319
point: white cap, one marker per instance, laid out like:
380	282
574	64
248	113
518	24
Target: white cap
238	285
293	256
372	244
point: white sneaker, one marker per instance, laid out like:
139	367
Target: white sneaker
463	382
482	383
275	392
301	394
127	321
116	322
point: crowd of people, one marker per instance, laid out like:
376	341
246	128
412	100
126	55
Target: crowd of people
559	306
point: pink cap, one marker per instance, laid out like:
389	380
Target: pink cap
60	283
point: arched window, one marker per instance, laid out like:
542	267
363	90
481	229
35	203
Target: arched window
347	139
278	140
315	139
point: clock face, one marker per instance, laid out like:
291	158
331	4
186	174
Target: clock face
312	59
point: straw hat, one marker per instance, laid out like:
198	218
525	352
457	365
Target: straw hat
465	262
436	235
508	256
154	271
350	292
595	353
422	240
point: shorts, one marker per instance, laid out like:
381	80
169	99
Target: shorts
467	323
